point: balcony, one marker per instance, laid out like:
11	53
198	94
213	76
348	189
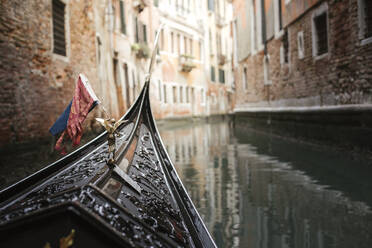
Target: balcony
139	5
141	50
221	59
186	63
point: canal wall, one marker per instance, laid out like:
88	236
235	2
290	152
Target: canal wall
346	127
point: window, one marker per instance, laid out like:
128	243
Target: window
221	76
59	40
159	89
122	17
267	80
210	42
202	98
245	80
162	40
165	93
320	31
140	31
280	21
172	42
211	5
200	50
185	51
181	94
115	71
134	84
368	18
278	15
300	44
99	47
187	94
213	77
174	94
190	47
126	84
285	48
178	44
136	29
365	20
144	33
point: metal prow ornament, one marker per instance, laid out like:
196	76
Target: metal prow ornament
111	126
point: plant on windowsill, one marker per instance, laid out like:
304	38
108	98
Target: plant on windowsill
186	63
141	50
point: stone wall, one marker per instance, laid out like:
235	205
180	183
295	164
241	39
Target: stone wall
35	84
343	76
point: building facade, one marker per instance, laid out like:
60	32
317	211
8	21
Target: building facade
303	53
303	69
193	81
46	44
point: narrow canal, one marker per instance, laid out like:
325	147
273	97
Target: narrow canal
255	190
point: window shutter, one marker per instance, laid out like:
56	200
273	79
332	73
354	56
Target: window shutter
144	33
368	18
59	40
221	76
136	29
122	17
286	47
213	77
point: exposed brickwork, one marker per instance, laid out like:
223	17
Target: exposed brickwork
344	76
35	84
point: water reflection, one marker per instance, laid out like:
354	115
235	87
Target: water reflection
251	193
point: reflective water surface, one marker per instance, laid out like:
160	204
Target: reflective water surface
256	190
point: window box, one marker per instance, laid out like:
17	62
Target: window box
141	50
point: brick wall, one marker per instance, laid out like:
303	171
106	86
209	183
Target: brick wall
35	84
342	77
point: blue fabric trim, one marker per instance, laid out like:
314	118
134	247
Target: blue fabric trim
61	123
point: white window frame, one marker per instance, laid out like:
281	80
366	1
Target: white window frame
301	50
323	8
362	23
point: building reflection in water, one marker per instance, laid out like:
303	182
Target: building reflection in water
249	199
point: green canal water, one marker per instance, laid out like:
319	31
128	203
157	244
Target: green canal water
253	189
256	190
